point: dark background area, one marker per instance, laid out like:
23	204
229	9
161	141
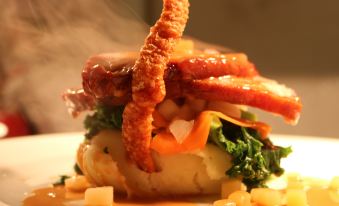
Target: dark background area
293	41
290	37
43	45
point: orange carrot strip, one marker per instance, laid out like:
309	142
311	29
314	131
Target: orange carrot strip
165	143
262	128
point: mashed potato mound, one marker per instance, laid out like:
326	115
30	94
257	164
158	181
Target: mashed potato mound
104	163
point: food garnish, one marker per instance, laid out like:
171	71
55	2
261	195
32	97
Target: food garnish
61	180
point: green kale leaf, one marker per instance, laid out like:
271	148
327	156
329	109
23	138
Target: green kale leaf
77	169
254	160
248	115
272	158
104	117
61	180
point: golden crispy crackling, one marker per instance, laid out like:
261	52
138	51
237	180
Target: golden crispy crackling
148	87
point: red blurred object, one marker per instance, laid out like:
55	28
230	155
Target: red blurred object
13	124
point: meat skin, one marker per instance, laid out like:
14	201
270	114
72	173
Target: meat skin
110	74
257	92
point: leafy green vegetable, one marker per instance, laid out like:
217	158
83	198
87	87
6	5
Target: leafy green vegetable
253	160
105	117
61	181
248	115
77	169
272	158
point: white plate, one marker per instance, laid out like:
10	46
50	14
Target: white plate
30	162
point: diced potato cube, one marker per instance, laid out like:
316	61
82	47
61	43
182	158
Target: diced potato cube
266	196
225	202
334	195
334	184
241	198
294	177
321	197
295	185
294	181
77	183
197	105
231	186
186	113
99	196
180	129
295	197
315	182
168	109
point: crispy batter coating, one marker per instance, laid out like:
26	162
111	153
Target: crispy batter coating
148	87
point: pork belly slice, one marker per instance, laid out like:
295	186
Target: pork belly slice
256	92
110	74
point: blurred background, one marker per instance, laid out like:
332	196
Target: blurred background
43	45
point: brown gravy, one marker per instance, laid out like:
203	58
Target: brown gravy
58	196
52	196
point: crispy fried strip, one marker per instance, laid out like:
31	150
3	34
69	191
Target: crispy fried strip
148	87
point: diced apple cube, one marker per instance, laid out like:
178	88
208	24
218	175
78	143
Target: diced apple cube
294	181
334	196
334	184
168	109
185	112
77	183
181	129
241	198
266	196
231	186
99	196
296	197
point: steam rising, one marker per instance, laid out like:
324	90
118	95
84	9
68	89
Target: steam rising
44	45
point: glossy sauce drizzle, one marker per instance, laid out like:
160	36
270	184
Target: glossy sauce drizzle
52	196
58	196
